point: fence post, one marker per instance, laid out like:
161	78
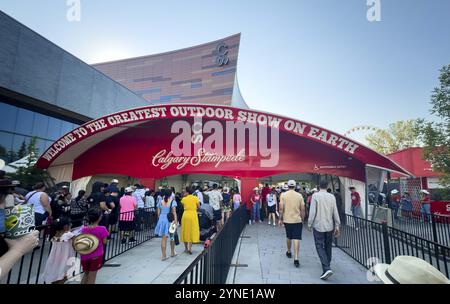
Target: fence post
433	226
387	249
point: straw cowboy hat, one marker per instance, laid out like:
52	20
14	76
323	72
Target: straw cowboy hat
425	191
409	270
85	243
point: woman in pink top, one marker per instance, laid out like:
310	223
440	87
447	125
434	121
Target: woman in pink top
128	205
237	199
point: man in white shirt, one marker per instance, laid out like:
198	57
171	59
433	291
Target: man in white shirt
324	220
198	193
139	195
215	201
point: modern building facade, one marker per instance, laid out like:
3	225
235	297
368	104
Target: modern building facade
45	91
200	74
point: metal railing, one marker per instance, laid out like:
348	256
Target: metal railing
213	264
369	243
30	267
432	227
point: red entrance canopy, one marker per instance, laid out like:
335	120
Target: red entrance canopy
139	143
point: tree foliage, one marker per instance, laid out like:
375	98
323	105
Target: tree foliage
436	134
29	174
400	135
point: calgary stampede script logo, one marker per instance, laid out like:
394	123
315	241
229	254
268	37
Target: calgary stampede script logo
222	54
193	147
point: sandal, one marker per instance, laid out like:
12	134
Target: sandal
174	255
165	258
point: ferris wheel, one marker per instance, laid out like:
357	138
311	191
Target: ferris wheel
365	130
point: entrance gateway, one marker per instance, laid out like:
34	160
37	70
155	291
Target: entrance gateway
246	146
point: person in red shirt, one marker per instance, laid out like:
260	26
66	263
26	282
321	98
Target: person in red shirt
356	202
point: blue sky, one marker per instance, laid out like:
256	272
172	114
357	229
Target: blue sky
320	61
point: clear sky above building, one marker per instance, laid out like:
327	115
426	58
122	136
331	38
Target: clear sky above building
320	61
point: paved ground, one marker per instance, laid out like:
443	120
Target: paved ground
143	265
263	248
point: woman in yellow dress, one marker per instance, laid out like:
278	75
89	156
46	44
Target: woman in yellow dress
190	229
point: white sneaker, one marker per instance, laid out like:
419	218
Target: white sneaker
274	225
269	223
250	222
326	275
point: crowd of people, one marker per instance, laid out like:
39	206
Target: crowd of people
196	214
86	222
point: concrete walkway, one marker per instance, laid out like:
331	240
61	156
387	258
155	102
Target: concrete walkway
263	247
143	265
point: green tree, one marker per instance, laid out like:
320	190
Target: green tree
436	134
22	151
29	174
400	135
3	152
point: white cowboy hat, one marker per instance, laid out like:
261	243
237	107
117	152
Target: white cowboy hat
425	191
85	243
129	189
409	270
291	183
256	188
395	191
314	190
285	187
114	181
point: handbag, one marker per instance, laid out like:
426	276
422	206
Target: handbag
176	239
170	216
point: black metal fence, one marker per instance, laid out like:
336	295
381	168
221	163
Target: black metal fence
213	264
137	227
432	227
369	243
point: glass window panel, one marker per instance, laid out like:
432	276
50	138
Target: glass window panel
25	121
54	128
40	125
5	144
42	145
17	142
66	127
9	115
